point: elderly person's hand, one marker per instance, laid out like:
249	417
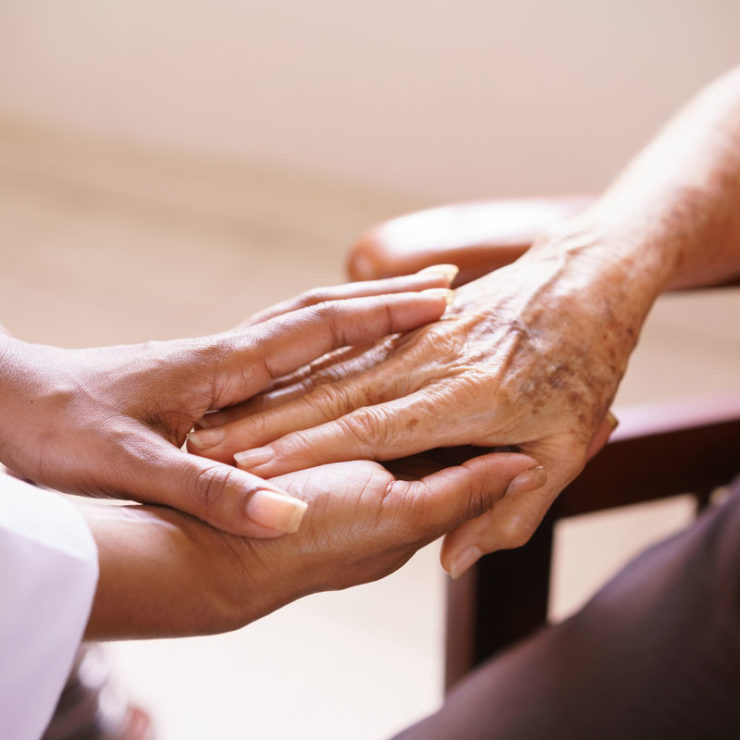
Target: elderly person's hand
163	573
527	357
113	419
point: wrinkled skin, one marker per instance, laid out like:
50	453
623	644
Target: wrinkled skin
527	357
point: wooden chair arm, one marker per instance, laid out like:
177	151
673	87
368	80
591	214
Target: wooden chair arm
478	236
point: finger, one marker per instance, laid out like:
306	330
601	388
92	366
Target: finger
511	521
334	366
329	360
324	403
331	368
225	497
435	276
246	361
445	499
382	432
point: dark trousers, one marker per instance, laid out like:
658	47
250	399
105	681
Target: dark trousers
654	655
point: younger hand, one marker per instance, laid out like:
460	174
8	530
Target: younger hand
528	357
113	419
163	573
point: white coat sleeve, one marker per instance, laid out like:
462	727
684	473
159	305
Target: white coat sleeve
48	574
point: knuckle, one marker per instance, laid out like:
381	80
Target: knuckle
313	297
210	350
515	532
400	497
307	385
477	502
208	487
329	400
368	425
329	314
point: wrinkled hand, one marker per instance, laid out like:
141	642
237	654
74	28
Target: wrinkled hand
113	419
528	357
164	573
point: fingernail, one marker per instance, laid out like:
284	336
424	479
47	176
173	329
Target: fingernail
206	437
276	511
257	456
469	556
527	481
446	293
613	421
448	272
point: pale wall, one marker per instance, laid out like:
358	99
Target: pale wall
442	99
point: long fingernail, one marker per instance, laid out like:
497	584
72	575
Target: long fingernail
276	511
251	458
613	421
448	272
468	557
446	293
204	438
527	481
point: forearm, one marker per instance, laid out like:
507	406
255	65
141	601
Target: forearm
165	574
672	219
675	210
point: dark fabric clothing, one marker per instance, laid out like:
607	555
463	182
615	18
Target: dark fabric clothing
654	655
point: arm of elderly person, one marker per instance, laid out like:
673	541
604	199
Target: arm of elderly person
164	573
531	355
113	419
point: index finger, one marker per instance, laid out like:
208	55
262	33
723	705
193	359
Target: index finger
445	499
250	359
435	276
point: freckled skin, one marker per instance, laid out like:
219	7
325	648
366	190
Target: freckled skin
531	355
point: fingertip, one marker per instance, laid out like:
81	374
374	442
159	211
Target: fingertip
275	510
445	294
206	438
447	272
463	560
250	459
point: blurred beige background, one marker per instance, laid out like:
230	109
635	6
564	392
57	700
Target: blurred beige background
168	167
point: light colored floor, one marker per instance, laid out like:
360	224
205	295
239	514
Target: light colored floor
100	245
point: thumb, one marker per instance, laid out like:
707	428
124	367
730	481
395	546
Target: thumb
227	498
513	520
444	500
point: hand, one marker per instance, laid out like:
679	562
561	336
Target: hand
163	573
528	357
113	419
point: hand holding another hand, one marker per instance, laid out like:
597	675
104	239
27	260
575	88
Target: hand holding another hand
111	421
527	358
164	573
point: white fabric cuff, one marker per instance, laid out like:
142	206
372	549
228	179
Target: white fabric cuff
48	575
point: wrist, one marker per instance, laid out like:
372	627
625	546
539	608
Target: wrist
152	579
166	574
612	270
